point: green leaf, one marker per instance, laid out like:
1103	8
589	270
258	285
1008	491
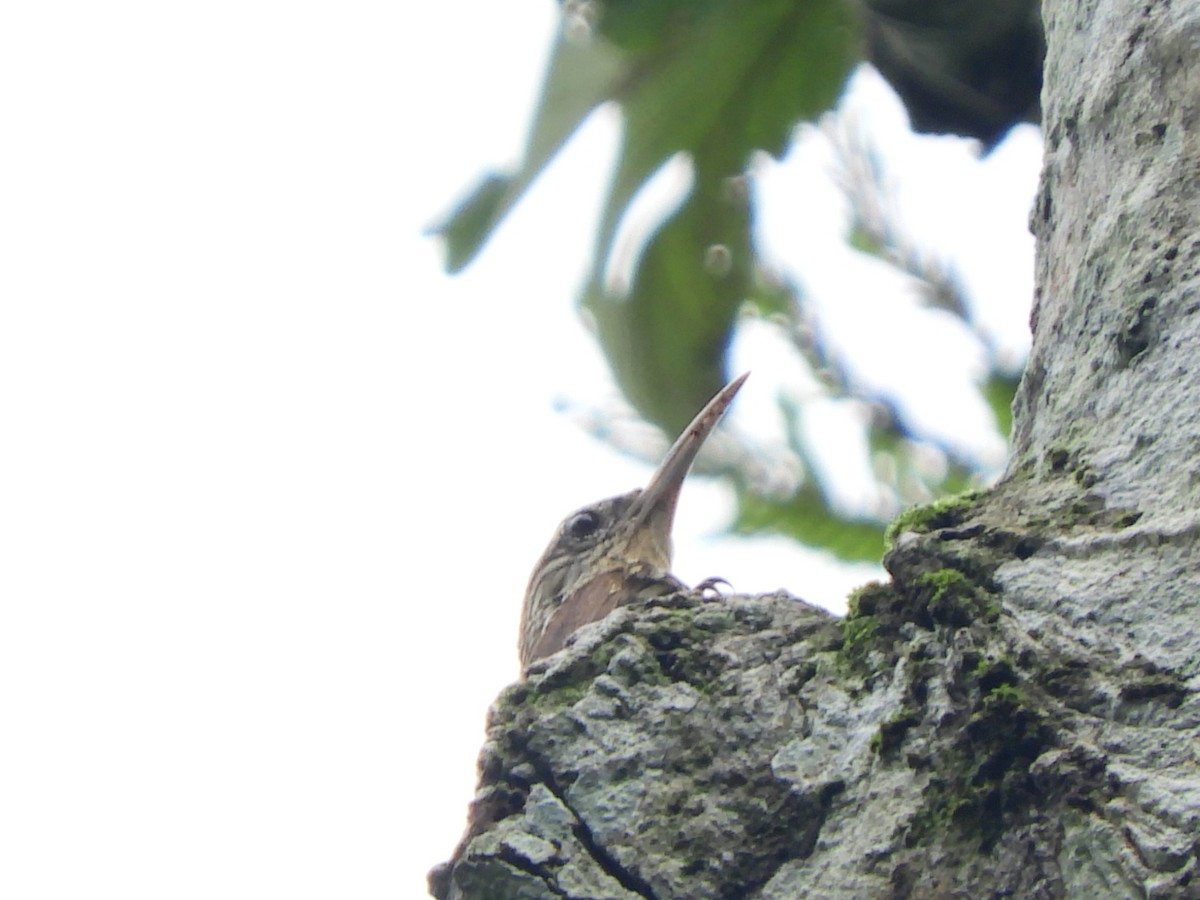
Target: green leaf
665	340
718	80
999	391
465	231
579	79
730	79
808	519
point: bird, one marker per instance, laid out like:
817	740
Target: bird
607	554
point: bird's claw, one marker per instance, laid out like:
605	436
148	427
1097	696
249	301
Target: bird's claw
708	588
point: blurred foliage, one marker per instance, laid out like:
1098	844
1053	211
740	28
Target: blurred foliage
718	80
807	518
1000	390
714	79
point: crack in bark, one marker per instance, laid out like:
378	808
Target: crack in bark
605	860
522	864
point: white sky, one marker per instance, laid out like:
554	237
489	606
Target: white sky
272	484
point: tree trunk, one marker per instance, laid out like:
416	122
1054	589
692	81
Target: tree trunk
1016	713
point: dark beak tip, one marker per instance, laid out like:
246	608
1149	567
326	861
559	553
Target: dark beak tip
662	492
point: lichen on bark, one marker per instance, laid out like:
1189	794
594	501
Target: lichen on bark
756	747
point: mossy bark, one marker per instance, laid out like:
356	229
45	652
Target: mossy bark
1016	712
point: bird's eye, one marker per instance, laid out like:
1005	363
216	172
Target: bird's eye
583	524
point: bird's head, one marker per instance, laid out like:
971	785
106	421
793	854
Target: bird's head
627	535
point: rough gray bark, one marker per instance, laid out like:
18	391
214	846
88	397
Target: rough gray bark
1017	712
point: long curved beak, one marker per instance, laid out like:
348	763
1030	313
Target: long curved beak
653	512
